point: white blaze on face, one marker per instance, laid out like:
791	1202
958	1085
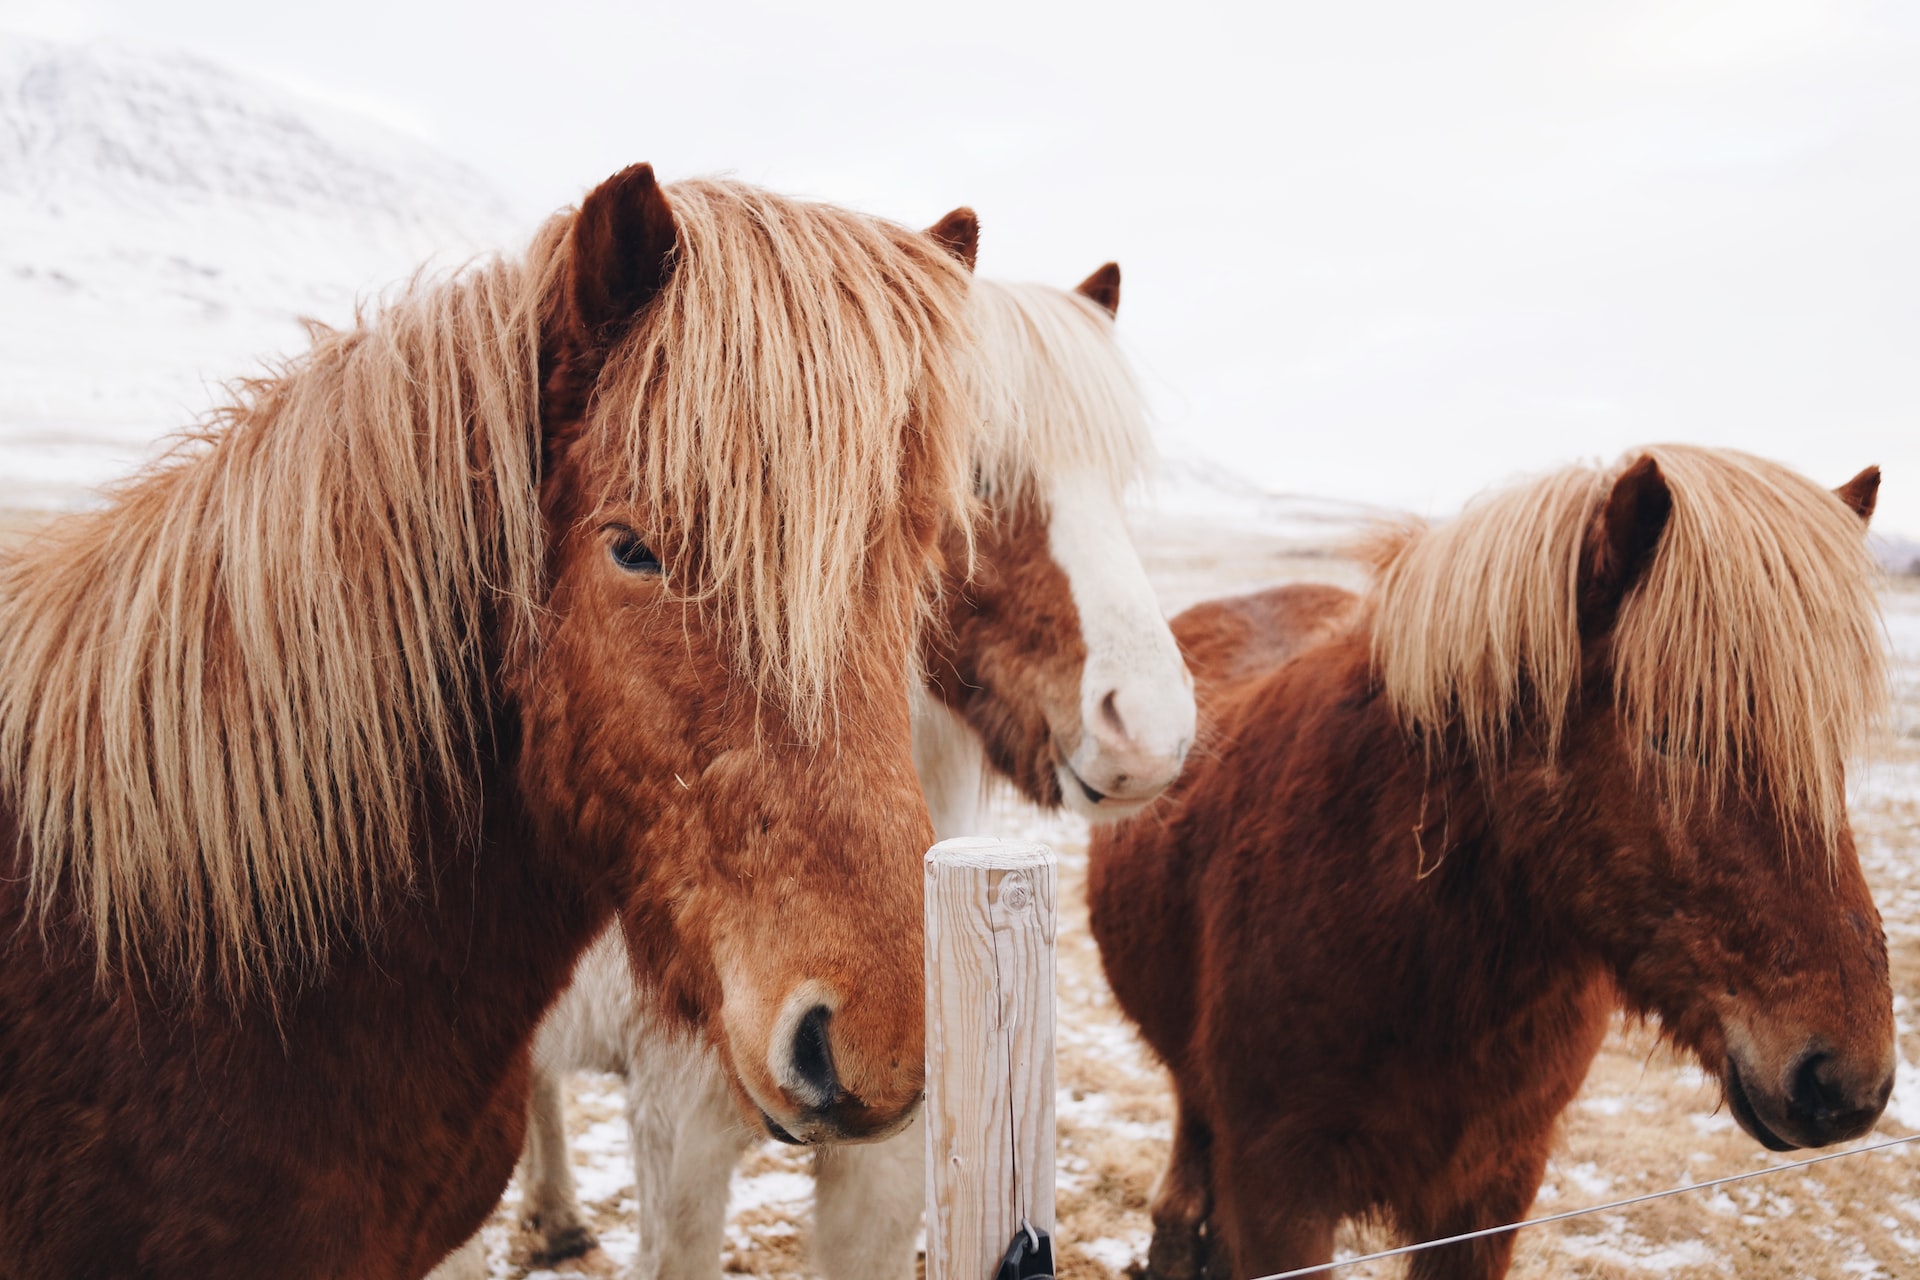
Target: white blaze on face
1136	696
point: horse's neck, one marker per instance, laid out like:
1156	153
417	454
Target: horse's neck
1461	866
504	916
951	761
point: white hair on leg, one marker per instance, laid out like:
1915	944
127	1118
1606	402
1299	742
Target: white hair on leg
468	1262
867	1205
550	1203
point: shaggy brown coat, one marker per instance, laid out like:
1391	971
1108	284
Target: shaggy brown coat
1431	841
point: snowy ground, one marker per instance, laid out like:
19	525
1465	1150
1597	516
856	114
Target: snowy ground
1644	1121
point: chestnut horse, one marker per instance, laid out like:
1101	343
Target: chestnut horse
1583	747
1054	670
573	584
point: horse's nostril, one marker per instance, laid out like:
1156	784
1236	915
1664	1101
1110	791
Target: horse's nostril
1815	1097
814	1077
1110	712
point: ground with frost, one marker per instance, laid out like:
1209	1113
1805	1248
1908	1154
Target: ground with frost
1645	1120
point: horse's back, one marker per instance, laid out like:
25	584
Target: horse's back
1235	640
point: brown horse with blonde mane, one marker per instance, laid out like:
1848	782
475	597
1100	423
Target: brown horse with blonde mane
570	584
1050	669
1583	747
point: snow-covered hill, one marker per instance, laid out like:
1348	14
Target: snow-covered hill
1203	493
164	224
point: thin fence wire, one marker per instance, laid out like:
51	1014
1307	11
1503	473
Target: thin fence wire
1324	1267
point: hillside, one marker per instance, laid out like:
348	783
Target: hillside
164	224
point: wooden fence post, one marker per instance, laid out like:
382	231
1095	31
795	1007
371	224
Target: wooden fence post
990	1007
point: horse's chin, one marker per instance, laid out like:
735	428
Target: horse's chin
813	1134
1743	1111
777	1131
1097	806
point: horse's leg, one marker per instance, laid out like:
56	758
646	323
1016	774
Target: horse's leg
697	1210
1503	1197
468	1262
550	1204
653	1131
687	1137
1264	1217
867	1204
1180	1202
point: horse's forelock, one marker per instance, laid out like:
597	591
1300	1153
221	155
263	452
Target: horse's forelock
794	407
1055	391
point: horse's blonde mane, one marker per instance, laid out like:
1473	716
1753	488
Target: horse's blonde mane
1056	393
228	698
1750	652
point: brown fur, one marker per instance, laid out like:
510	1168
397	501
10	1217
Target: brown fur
1378	951
351	710
1009	655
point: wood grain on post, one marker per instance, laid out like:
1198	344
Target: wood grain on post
990	1009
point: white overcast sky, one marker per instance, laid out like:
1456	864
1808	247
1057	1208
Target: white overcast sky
1389	250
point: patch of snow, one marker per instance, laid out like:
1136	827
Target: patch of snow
1587	1176
1904	1106
1623	1248
1113	1253
601	1167
1095	1111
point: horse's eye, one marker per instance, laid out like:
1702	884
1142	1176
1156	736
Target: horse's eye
632	554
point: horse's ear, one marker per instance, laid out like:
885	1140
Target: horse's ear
959	234
1629	528
1861	493
623	241
1103	286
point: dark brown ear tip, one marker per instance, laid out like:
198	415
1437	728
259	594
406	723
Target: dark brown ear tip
623	245
1103	287
641	174
959	234
1862	492
962	219
1642	468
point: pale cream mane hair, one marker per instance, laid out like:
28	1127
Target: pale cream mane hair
1749	654
226	697
1056	393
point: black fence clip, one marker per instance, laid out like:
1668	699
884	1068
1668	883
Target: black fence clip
1029	1257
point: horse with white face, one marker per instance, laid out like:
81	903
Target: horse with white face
1054	670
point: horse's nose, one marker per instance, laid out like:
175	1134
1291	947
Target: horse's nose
1141	738
811	1077
1826	1105
820	1106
